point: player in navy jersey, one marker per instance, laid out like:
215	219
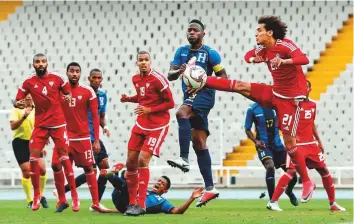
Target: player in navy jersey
101	159
154	201
192	116
271	151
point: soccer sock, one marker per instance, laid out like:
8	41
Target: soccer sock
281	186
144	177
270	183
328	184
221	83
204	163
34	168
79	180
184	137
291	185
59	184
69	174
92	183
101	186
132	182
299	163
26	185
43	182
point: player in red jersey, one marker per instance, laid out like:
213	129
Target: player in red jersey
155	99
45	88
284	61
83	99
307	136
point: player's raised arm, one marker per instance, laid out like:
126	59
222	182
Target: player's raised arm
195	194
254	55
176	68
296	56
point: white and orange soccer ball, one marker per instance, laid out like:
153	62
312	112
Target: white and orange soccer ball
194	76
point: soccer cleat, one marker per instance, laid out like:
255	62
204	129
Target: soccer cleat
134	210
274	206
293	199
336	207
207	196
44	202
307	191
75	204
179	163
61	206
114	169
96	208
29	205
100	205
36	203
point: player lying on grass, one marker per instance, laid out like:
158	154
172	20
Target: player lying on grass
154	201
307	136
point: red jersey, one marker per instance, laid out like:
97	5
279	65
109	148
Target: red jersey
153	91
288	80
45	94
304	133
83	99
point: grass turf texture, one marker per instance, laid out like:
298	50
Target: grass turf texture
218	211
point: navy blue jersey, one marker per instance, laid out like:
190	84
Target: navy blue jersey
207	58
102	107
265	122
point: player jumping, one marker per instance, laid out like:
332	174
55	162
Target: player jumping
45	88
270	149
155	99
284	61
83	99
192	116
307	136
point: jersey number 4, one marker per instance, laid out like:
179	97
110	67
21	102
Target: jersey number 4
44	91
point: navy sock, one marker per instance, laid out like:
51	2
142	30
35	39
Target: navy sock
270	183
204	163
79	180
184	135
101	186
291	185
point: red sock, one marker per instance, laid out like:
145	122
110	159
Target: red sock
221	83
92	184
69	174
144	177
34	168
299	163
329	186
132	182
59	184
281	186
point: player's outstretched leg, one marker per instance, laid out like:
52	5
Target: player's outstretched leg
328	184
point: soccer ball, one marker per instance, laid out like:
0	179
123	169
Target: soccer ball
194	77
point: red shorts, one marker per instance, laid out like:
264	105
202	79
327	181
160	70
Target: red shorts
288	110
149	141
41	135
313	157
79	151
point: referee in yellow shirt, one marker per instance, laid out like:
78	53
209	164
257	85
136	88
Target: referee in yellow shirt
22	122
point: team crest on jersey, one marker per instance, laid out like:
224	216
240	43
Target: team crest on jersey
35	86
147	85
79	97
136	85
51	83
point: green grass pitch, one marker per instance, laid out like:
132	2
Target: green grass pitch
217	211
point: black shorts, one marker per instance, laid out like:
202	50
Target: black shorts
21	150
101	155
